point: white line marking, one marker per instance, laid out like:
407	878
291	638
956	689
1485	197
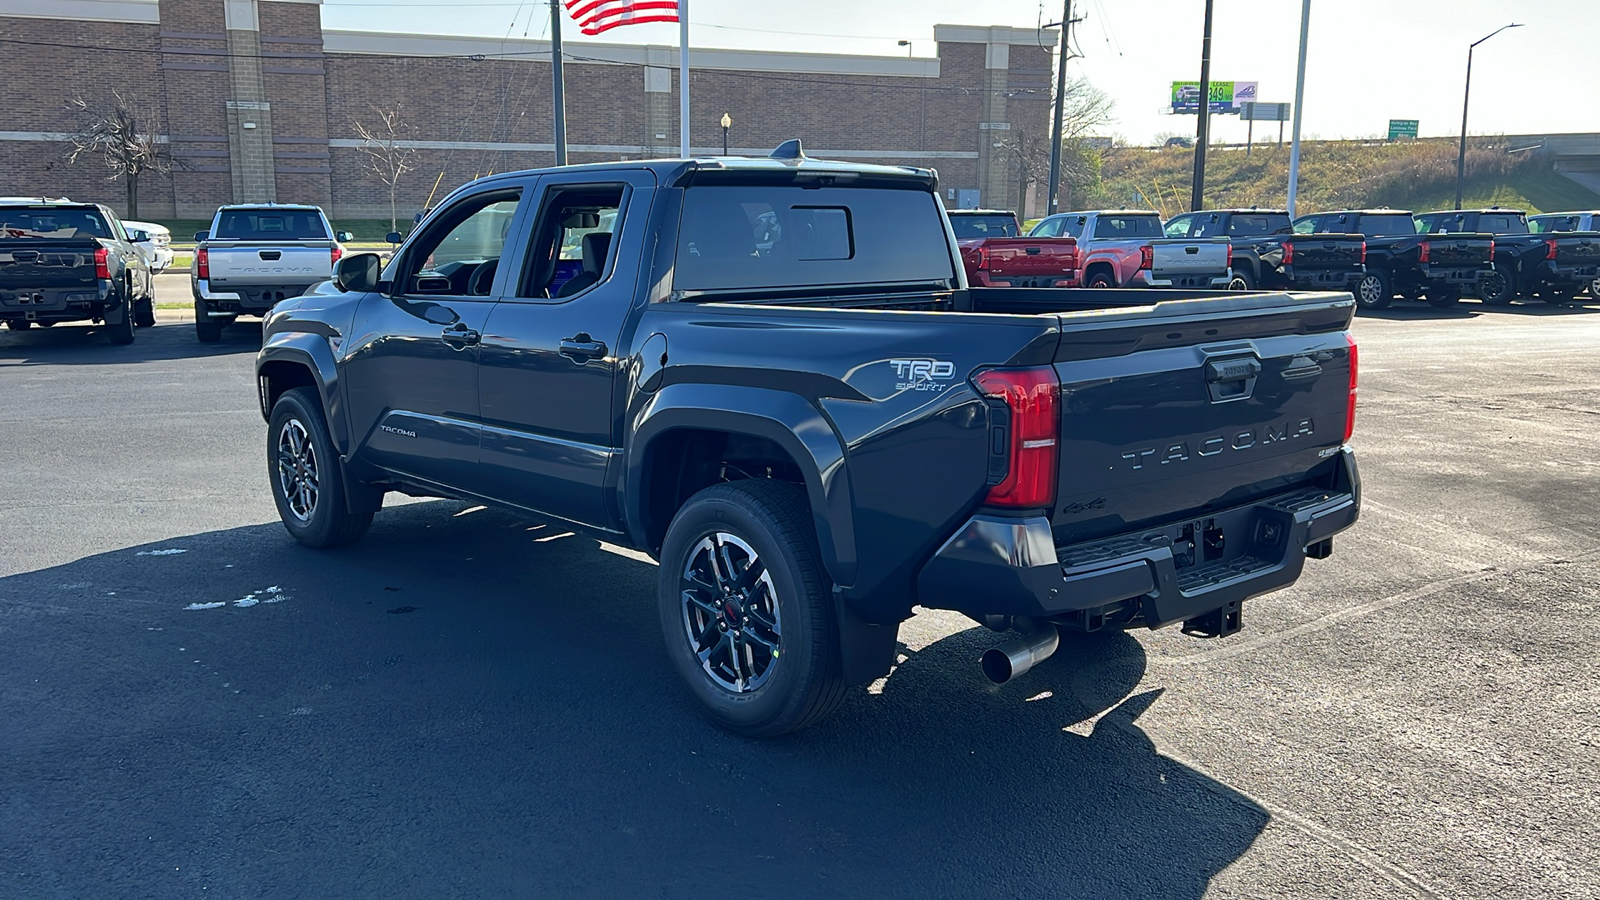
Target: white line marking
174	551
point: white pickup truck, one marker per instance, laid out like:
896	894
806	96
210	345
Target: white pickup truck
255	255
1127	248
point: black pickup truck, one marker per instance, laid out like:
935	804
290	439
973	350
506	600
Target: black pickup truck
1267	255
71	262
1400	261
1554	267
816	431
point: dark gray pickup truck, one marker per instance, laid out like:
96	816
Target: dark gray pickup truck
62	261
771	376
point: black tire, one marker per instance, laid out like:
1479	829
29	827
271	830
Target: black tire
769	522
1101	279
1374	290
315	512
144	313
1444	298
1241	281
1499	287
207	329
18	324
1558	296
122	332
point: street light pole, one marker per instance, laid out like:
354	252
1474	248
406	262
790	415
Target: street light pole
907	45
1466	98
1299	106
1203	137
727	122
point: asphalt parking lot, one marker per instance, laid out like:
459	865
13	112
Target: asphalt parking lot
470	705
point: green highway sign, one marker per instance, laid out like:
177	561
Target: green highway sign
1402	128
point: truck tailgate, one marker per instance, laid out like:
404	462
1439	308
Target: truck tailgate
1460	250
1189	256
1319	251
1023	257
1576	249
269	264
1196	406
46	263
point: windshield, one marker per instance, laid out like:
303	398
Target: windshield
984	226
759	236
54	223
1127	227
270	225
1387	225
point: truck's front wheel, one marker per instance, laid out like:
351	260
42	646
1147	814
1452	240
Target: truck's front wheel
303	466
746	608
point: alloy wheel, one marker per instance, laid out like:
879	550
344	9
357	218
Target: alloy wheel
297	470
730	613
1371	289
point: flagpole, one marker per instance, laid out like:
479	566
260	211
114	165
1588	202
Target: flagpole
560	101
683	78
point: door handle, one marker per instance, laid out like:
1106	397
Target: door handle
460	337
581	348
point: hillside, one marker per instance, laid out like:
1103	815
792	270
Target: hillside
1336	174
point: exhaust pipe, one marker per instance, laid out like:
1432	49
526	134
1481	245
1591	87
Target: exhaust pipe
1014	658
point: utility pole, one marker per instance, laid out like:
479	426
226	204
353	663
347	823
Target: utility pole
1299	105
1061	99
1466	98
557	85
1203	135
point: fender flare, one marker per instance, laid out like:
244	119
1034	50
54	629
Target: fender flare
311	352
787	420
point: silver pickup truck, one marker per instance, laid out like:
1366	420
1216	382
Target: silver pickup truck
256	255
1127	248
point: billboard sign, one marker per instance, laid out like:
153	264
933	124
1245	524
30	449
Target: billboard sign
1402	128
1264	112
1225	96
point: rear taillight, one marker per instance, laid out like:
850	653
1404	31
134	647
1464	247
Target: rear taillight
1147	257
1288	253
1549	248
983	258
102	263
1022	432
338	254
202	262
1230	254
1423	251
1363	253
1350	411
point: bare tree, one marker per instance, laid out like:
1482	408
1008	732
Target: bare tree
387	154
1086	113
124	136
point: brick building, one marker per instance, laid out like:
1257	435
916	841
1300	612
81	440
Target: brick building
257	102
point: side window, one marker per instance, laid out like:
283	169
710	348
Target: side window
1050	227
1072	226
1426	224
1208	225
572	240
1308	225
459	254
1179	226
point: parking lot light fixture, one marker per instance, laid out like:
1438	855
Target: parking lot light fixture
1466	98
907	45
727	122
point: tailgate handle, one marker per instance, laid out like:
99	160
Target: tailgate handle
271	254
1032	251
1191	250
24	255
1231	379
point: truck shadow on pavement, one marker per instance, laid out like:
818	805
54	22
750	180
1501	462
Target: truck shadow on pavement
74	344
468	704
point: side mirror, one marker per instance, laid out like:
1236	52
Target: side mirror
393	237
357	273
343	236
201	237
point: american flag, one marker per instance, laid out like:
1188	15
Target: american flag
595	16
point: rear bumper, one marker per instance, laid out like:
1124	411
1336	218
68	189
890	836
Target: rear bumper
1146	278
1454	275
996	565
56	304
1323	280
1553	272
250	300
985	279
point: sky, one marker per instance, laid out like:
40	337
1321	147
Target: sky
1368	60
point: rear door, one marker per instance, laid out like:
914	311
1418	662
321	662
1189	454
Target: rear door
410	369
550	355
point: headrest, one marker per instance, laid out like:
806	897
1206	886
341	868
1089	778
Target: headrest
596	244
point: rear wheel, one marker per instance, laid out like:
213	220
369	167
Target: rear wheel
303	466
1374	291
1100	278
1444	298
18	324
1498	287
122	332
1241	281
207	329
1558	295
747	610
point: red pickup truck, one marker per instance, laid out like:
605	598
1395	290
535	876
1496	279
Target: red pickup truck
995	254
